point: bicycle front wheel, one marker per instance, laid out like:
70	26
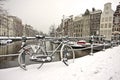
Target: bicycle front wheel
67	54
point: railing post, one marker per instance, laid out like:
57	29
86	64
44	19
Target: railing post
112	42
23	45
103	43
92	41
118	40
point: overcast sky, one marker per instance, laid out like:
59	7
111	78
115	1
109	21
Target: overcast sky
41	14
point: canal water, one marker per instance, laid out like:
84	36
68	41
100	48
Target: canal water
13	48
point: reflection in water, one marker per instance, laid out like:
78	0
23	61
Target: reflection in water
10	48
13	48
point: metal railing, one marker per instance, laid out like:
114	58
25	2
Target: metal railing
9	55
49	38
80	49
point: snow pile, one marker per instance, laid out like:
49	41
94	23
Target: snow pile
103	65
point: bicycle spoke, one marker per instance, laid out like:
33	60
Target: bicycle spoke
67	54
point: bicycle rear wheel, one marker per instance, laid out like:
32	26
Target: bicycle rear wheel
67	54
28	56
40	52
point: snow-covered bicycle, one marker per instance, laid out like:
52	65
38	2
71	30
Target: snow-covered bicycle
41	55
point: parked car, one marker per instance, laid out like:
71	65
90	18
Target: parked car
80	44
9	41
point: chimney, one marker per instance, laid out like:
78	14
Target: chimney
93	9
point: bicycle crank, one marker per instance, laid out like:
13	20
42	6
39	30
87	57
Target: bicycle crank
41	58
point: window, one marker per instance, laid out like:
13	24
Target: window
102	19
101	32
119	19
101	25
106	7
105	25
110	18
116	19
0	22
109	25
106	12
106	19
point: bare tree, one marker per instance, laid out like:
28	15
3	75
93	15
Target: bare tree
1	8
1	2
52	31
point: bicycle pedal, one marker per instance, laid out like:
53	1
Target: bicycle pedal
24	65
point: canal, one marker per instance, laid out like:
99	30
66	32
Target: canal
13	48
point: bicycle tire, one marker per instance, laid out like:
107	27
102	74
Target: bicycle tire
25	57
67	54
41	51
20	60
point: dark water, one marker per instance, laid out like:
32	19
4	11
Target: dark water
13	48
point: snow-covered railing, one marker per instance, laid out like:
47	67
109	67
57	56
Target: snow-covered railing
9	55
56	38
15	38
45	37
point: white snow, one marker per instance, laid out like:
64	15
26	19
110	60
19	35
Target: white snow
103	65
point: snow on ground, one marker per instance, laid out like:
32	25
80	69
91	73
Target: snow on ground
103	65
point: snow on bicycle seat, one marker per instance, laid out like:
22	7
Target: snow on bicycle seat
40	36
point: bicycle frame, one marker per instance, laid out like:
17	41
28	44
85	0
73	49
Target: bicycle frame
62	44
42	46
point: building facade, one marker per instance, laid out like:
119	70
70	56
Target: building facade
106	21
95	16
17	26
66	27
78	26
116	21
58	31
71	26
86	23
3	25
10	26
29	31
11	32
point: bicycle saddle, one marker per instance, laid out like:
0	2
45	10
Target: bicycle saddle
40	36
